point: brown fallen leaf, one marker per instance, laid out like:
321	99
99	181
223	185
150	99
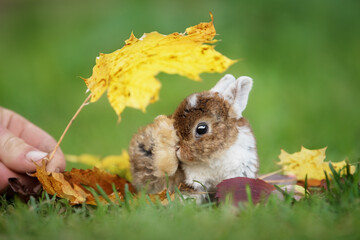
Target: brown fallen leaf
116	164
72	185
162	196
312	183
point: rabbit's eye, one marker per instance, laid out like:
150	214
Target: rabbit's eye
201	129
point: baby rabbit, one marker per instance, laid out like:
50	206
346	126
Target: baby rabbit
153	161
206	140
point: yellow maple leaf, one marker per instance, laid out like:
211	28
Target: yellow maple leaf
128	74
117	164
308	162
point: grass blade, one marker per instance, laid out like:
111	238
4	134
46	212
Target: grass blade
248	194
127	197
116	195
207	193
103	194
177	191
336	176
96	196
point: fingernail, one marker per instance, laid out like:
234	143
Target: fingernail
57	170
30	174
35	156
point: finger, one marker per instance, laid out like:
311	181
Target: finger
24	129
34	136
38	138
6	173
17	155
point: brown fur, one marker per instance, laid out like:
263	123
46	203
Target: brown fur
213	110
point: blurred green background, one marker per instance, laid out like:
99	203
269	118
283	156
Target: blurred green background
302	55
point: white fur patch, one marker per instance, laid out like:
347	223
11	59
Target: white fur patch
244	87
240	160
223	83
192	100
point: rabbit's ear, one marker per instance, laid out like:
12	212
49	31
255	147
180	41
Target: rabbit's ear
244	85
236	92
223	84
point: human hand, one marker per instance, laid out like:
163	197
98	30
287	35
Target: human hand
22	144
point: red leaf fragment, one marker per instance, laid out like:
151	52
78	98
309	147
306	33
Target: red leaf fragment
32	187
237	188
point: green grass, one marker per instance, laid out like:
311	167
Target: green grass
331	214
302	55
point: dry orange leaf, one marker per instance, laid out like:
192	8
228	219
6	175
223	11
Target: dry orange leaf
307	162
162	196
128	74
116	164
70	185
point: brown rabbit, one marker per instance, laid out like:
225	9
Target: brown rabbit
206	140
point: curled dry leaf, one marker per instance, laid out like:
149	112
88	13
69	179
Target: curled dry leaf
236	187
128	74
72	185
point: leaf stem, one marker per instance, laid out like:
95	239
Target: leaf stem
280	181
68	126
262	177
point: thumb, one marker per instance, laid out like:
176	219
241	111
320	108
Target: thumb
16	154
